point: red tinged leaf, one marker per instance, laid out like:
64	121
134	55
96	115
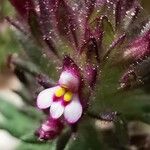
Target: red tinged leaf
48	23
135	75
93	41
90	75
72	18
47	17
118	13
80	12
34	26
93	50
22	6
139	48
90	4
128	4
100	2
124	6
131	17
118	41
67	23
128	79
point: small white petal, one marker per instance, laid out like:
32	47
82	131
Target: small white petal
45	98
73	111
68	79
56	109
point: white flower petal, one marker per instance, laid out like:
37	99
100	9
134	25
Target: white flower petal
68	79
45	97
56	109
73	111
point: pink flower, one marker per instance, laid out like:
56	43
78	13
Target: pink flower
63	99
49	129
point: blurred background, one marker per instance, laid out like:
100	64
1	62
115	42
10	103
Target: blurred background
9	84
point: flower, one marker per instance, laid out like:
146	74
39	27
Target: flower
49	129
63	99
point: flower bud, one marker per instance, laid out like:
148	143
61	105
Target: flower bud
49	129
139	48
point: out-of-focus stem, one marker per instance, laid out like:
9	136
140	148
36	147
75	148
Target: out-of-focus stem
14	61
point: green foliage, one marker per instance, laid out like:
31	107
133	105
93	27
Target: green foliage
132	104
30	146
16	122
22	123
108	33
37	56
86	138
5	9
8	43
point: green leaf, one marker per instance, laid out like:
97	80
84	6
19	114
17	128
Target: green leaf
108	35
132	104
30	138
42	146
34	26
8	44
63	140
87	138
32	113
6	9
116	138
37	56
16	122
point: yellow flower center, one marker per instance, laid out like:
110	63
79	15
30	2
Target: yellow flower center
68	96
60	92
